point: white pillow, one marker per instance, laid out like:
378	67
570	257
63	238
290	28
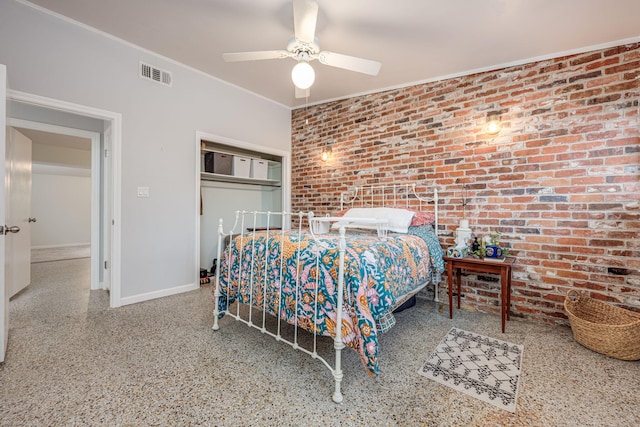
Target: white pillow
398	220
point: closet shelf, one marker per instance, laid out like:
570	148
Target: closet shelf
208	176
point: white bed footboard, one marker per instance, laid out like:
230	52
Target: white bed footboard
263	222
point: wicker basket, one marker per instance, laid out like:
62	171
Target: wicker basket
602	327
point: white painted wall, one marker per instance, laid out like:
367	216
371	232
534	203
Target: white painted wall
48	56
61	203
60	196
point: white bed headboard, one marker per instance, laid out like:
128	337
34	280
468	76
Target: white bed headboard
387	195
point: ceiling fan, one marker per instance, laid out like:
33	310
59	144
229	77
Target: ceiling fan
304	48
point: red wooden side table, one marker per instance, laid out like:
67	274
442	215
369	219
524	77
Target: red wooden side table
486	265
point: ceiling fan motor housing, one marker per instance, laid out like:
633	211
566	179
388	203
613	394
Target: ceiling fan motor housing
298	47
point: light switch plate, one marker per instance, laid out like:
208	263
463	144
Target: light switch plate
143	191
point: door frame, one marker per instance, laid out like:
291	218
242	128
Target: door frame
112	180
94	137
4	286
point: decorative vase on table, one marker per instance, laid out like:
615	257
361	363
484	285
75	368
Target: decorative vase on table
463	235
492	251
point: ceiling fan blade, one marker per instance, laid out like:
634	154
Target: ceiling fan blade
360	65
305	16
255	56
302	93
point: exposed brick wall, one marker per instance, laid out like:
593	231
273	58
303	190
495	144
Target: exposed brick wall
561	181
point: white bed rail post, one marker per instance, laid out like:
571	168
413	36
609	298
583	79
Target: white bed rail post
437	231
216	284
337	342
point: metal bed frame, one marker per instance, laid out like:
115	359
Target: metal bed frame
264	221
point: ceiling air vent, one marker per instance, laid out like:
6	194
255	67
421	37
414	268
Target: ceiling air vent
150	72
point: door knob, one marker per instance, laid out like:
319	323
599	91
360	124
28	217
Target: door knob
32	220
6	229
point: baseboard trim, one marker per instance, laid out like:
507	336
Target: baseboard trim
66	245
158	294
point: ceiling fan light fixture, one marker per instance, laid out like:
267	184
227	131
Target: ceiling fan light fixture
303	75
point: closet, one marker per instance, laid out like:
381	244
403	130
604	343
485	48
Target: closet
236	176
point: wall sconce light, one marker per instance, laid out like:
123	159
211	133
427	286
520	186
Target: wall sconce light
327	153
303	74
494	125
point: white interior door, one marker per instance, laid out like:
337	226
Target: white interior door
4	294
18	164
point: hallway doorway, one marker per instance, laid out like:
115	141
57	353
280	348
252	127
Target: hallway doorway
65	197
104	129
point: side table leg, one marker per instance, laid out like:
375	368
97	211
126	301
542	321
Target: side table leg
459	277
509	293
503	296
450	286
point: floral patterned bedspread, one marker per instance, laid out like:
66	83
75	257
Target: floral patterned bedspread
377	273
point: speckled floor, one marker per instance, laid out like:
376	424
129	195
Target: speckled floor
73	361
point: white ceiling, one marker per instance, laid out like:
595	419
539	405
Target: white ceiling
55	139
415	40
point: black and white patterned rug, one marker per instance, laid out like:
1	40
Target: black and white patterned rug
482	367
